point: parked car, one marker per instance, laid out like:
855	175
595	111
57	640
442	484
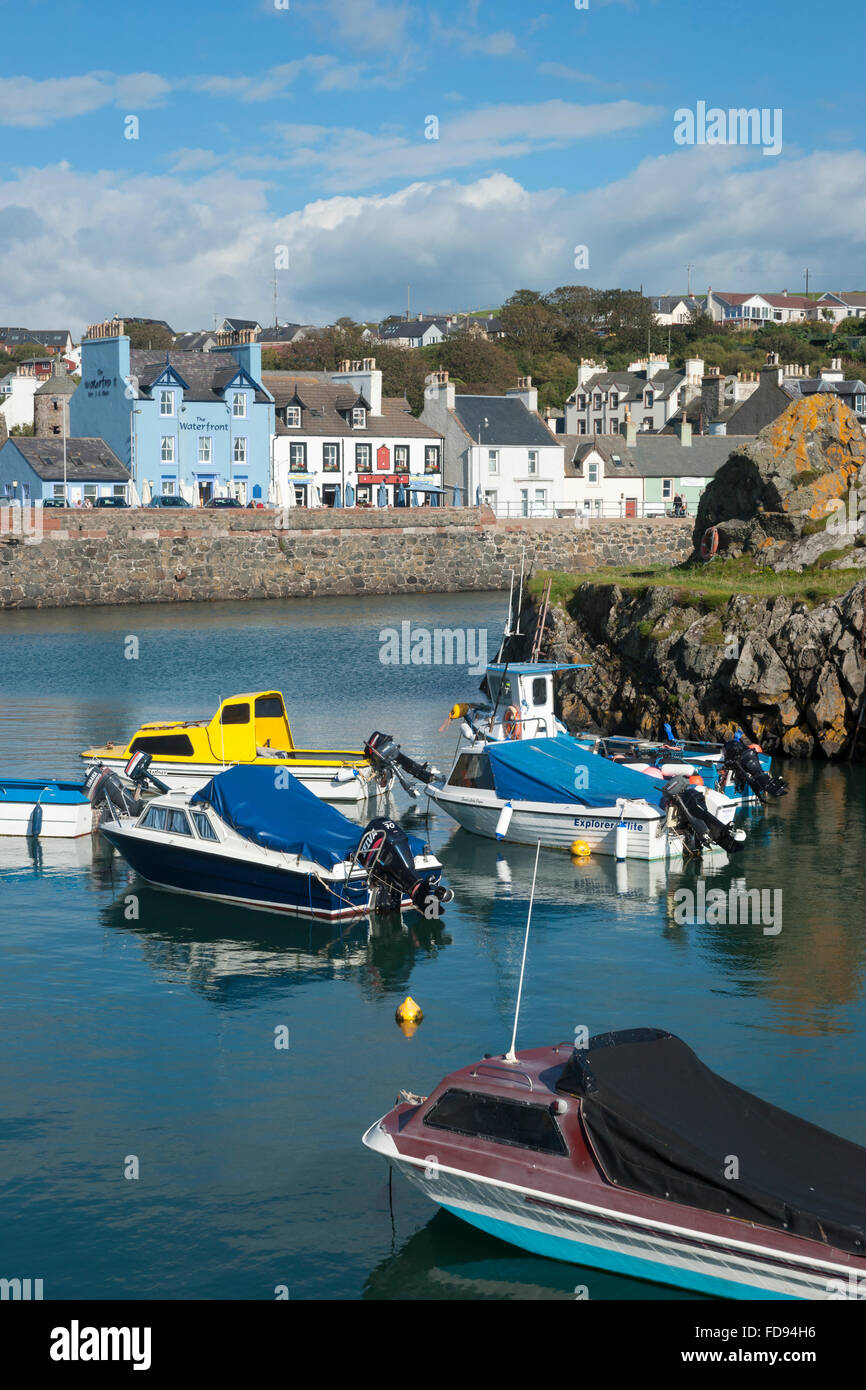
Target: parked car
54	502
111	502
165	499
223	502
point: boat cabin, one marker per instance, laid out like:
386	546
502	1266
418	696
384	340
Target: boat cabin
244	727
525	687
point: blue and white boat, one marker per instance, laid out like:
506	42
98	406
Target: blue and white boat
261	839
742	771
520	776
43	807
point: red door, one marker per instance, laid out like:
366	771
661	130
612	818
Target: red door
631	506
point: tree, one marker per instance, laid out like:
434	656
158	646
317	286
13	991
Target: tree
529	327
481	367
145	333
576	309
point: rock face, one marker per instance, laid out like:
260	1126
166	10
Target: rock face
790	675
798	471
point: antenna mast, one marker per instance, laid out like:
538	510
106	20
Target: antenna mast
511	1055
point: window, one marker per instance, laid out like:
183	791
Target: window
541	497
203	826
539	691
533	460
667	489
363	457
298	458
492	460
154	819
59	491
166	402
359	418
176	823
648	398
431	458
119	490
614	400
91	492
592	474
596	401
269	707
401	457
581	402
235	714
491	498
239	405
166	452
293	416
517	1123
581	427
240	450
163	745
205	449
472	770
331	458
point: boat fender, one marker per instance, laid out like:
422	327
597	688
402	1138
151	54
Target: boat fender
512	722
504	820
756	747
621	843
695	780
709	543
34	825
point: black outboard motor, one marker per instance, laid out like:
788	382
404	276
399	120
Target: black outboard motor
139	774
107	794
386	853
743	762
699	826
385	755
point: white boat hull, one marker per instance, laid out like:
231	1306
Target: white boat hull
362	791
614	1240
59	821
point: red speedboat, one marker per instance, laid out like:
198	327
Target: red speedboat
630	1155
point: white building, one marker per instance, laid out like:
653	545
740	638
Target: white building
339	442
497	448
17	390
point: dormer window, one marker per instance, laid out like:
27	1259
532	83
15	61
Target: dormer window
614	400
239	405
293	416
166	402
359	418
648	399
596	401
592	474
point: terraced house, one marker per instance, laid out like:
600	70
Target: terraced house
648	393
191	424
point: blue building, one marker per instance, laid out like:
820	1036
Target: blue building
34	470
191	424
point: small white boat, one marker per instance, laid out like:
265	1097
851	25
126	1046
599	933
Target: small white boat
44	808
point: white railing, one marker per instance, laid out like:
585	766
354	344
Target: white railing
584	515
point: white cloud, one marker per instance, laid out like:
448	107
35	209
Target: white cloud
342	158
71	248
24	101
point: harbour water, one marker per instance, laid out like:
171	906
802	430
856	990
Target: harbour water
152	1036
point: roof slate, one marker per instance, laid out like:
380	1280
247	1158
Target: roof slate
87	460
508	422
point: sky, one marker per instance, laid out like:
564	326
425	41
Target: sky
171	160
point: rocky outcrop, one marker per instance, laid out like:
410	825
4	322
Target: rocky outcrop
791	675
798	472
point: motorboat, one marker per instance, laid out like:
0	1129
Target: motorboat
44	808
246	729
519	776
739	769
264	840
628	1154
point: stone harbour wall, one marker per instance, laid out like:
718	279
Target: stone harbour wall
103	557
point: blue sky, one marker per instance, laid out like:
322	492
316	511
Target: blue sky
262	126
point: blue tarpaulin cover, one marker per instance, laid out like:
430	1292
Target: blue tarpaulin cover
558	769
269	806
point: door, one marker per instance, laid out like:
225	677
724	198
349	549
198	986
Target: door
631	506
205	491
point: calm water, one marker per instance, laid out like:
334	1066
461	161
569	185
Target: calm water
155	1037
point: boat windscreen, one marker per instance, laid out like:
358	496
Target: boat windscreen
661	1123
561	770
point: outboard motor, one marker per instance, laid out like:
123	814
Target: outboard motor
385	755
743	762
699	826
139	774
107	794
385	852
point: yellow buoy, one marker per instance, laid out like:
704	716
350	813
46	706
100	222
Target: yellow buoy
580	849
458	711
409	1012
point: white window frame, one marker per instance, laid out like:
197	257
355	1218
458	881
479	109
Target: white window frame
166	449
533	462
239	453
493	462
239	405
359	418
166	398
331	467
592	477
205	448
293	417
667	489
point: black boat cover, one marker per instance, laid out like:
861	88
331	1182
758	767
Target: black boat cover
661	1123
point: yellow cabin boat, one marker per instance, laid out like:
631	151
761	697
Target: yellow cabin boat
252	728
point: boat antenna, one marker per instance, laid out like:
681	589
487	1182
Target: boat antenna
506	632
511	1055
222	733
517	631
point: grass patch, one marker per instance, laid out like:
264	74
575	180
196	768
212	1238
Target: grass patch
708	588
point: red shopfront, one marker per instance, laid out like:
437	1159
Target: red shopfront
369	483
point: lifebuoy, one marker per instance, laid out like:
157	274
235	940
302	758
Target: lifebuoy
512	722
709	542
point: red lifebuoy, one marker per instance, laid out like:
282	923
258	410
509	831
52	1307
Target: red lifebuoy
709	542
512	724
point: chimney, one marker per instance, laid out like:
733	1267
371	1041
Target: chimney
438	389
628	431
684	431
772	371
712	395
527	393
366	378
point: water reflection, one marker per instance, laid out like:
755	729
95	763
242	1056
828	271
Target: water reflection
233	955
